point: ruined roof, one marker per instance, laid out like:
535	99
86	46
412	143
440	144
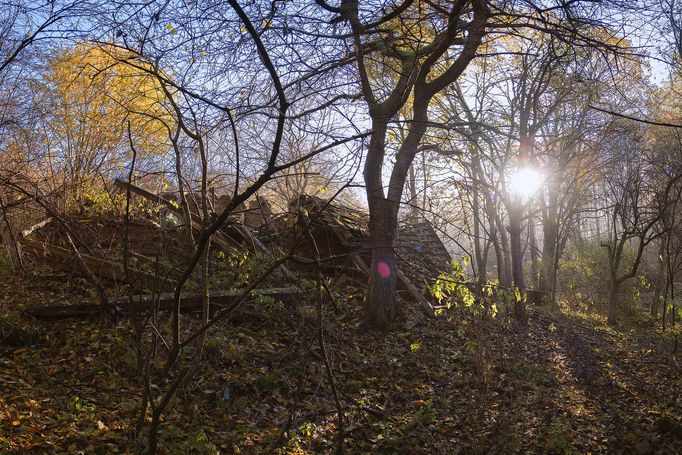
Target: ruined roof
350	224
421	253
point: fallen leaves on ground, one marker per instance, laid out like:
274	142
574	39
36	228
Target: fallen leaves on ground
560	383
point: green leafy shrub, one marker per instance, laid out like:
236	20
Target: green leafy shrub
451	289
236	269
455	293
583	277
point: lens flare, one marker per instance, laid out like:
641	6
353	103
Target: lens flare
525	182
383	270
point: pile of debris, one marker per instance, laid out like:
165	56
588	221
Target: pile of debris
340	236
157	249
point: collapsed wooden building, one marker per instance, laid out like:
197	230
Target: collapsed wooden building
339	235
314	230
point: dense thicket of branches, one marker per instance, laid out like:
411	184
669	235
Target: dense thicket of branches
440	106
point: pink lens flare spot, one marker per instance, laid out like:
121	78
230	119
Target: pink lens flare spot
384	270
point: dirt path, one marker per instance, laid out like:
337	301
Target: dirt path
601	390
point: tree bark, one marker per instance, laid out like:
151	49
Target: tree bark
515	215
383	220
481	259
506	277
613	302
660	277
380	305
516	248
550	241
549	262
534	257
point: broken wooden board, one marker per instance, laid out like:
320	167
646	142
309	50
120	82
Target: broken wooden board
414	292
36	227
220	239
101	267
147	195
257	244
340	230
145	304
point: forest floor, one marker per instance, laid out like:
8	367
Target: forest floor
562	383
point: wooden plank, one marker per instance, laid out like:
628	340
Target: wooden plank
414	292
360	263
219	239
192	302
188	303
101	267
35	227
147	195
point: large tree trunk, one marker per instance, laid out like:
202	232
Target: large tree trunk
380	304
515	215
534	257
383	211
516	248
424	78
481	259
673	309
499	259
549	262
480	195
499	243
506	277
613	302
550	233
383	219
660	280
381	290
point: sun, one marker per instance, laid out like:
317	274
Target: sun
525	182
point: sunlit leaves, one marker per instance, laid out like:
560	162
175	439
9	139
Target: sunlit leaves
87	96
451	288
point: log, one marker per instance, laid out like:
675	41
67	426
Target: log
189	303
101	267
35	227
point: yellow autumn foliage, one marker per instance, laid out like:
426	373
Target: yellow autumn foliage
88	95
